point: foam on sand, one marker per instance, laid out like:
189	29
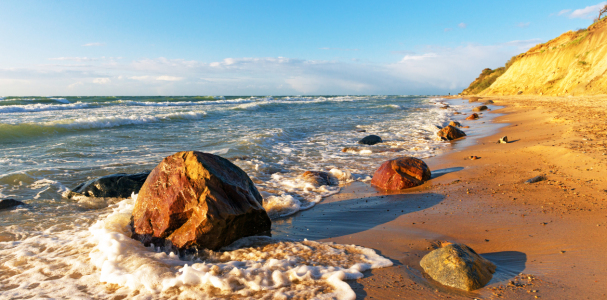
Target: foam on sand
101	261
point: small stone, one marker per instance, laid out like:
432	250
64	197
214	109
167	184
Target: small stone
503	140
370	140
480	108
473	117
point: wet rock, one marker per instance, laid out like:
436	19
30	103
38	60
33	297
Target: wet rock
370	140
488	102
480	108
535	179
458	266
450	133
455	124
445	107
473	117
401	173
360	130
503	140
473	99
318	178
116	185
9	203
197	200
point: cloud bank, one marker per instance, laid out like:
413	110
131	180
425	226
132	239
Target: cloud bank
432	70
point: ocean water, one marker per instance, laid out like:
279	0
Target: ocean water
80	248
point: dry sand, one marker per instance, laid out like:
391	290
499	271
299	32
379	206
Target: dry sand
547	238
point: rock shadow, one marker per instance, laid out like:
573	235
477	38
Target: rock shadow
509	264
441	172
346	217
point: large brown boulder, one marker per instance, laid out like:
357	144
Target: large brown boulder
473	116
458	266
195	199
401	173
450	133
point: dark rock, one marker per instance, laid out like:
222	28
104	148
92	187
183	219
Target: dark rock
401	173
458	266
455	124
197	200
535	179
115	186
450	133
488	102
480	108
473	117
9	203
360	130
370	140
318	178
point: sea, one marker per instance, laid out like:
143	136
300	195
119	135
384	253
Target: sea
80	248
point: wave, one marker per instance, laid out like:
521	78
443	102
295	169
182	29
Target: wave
35	129
42	107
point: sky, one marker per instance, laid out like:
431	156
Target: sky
113	48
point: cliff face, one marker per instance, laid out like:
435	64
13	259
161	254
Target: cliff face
573	64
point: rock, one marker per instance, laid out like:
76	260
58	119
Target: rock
9	203
474	157
445	107
472	117
473	99
480	108
401	173
466	127
488	102
503	140
458	266
117	186
360	130
197	200
450	133
519	92
535	179
370	140
455	124
318	178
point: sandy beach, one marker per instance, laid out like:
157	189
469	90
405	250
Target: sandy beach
547	238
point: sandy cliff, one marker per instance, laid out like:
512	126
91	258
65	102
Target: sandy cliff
575	63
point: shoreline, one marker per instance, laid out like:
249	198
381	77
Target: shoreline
550	231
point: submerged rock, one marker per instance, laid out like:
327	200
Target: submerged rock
318	178
455	124
401	173
458	266
480	108
450	133
473	117
117	186
194	199
370	140
9	203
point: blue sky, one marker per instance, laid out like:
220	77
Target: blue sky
268	47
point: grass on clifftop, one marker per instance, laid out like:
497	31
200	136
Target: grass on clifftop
487	78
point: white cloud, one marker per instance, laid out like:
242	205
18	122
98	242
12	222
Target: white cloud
418	57
93	45
448	29
462	25
169	78
102	80
523	24
588	12
435	70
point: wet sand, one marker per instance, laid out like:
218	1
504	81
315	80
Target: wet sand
547	238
